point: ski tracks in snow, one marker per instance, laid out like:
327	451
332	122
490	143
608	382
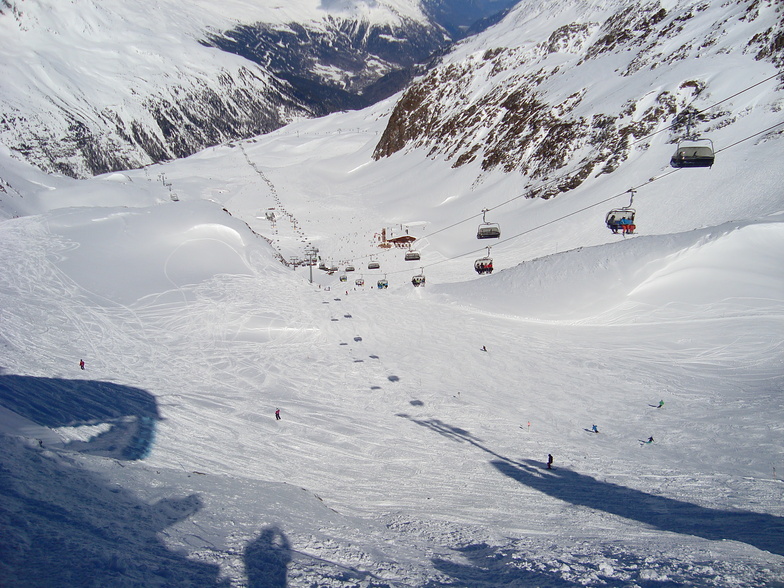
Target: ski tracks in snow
58	319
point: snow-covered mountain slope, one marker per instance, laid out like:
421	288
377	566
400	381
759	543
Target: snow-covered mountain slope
575	89
91	87
406	456
96	86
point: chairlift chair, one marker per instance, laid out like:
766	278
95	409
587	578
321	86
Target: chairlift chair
383	284
622	219
484	265
412	255
419	279
693	152
359	282
374	265
349	268
343	278
488	230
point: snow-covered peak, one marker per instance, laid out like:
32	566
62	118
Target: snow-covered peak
94	86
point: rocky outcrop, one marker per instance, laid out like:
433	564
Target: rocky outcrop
175	122
538	109
112	89
339	64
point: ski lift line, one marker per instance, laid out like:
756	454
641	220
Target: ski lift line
453	225
551	222
740	92
554	180
578	211
560	218
714	105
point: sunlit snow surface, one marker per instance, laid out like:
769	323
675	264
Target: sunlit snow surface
405	455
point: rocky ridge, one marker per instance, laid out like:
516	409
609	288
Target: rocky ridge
516	108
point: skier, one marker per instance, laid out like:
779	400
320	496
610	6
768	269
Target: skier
661	403
595	429
650	439
549	461
81	363
277	414
484	348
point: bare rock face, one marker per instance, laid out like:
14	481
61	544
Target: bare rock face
579	102
140	99
173	122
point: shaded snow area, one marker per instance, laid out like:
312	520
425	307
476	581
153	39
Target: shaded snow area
415	423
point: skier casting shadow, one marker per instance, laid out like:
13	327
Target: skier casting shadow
761	530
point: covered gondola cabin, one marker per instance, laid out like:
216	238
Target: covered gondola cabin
488	230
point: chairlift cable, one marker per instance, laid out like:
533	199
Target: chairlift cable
750	137
554	180
714	105
560	218
740	92
584	208
664	175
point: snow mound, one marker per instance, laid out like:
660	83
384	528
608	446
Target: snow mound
664	276
126	254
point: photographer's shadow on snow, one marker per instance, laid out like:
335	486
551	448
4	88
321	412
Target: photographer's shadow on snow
126	416
267	558
760	530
